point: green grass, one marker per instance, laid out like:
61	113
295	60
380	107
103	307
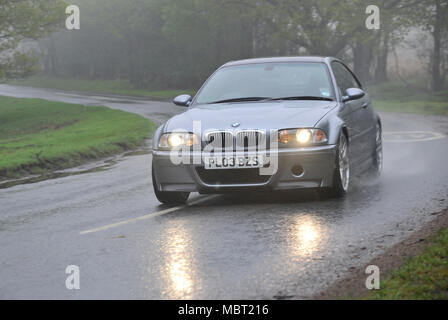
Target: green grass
116	87
425	107
395	96
422	277
38	135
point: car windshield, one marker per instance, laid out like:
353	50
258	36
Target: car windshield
256	82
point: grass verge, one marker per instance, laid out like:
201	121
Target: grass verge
395	96
116	87
414	268
38	135
423	277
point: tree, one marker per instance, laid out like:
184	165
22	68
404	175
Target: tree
321	27
371	48
160	44
438	25
21	20
432	16
207	34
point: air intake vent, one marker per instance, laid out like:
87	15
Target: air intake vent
232	176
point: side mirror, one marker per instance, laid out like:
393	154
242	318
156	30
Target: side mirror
183	100
353	94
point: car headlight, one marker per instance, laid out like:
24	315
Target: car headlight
301	136
178	139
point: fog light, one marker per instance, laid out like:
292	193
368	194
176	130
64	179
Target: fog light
297	170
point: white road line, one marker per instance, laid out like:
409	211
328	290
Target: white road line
409	136
145	217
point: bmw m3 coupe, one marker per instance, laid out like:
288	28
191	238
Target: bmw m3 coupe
269	123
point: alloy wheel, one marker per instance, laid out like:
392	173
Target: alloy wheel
344	163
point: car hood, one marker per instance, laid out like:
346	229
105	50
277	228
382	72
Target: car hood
259	115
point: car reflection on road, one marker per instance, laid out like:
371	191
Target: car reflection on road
306	235
179	268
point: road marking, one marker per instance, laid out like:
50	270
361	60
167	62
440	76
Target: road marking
147	216
412	136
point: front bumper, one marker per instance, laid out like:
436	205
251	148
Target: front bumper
318	165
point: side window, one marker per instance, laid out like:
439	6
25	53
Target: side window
344	77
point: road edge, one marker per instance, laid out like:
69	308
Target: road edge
95	93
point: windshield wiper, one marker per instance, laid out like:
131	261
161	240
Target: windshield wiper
241	99
305	98
248	99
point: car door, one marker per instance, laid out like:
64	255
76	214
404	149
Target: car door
356	113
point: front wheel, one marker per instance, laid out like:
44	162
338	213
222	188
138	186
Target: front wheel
341	179
168	197
377	160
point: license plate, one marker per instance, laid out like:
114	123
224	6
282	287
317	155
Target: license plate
233	162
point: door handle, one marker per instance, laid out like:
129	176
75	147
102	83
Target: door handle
365	105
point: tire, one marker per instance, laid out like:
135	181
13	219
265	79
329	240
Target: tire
341	178
377	160
168	197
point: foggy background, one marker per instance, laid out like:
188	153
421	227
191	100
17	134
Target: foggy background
176	44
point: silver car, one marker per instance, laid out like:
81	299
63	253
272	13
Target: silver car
269	123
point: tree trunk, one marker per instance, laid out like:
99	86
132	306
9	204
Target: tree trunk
381	67
437	81
52	62
134	69
362	59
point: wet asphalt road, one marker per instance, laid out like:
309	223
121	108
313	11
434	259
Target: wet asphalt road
287	245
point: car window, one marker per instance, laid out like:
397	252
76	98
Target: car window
344	77
272	80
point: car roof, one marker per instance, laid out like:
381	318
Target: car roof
280	59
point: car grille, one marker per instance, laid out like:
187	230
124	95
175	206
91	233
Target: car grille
239	140
220	139
250	139
231	176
